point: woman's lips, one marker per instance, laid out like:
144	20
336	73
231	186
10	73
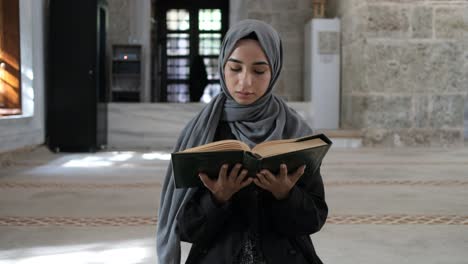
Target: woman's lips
244	95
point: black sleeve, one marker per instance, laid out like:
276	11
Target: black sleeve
304	211
201	218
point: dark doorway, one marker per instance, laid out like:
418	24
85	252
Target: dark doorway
183	31
76	89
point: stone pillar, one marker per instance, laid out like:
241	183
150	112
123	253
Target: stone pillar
404	70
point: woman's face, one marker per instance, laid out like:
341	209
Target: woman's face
247	72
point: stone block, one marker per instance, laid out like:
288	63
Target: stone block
465	66
415	67
287	30
447	67
388	21
416	137
420	68
465	126
293	53
266	17
344	7
258	5
387	67
298	18
447	111
304	4
119	15
407	2
437	67
346	112
388	112
372	137
291	24
282	5
359	108
412	138
451	22
237	11
294	83
420	111
346	70
294	97
447	138
353	25
290	82
397	137
353	68
421	22
280	86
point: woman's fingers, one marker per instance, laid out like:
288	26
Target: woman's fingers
223	172
209	183
262	178
259	184
236	179
235	172
297	174
283	171
246	182
268	176
241	176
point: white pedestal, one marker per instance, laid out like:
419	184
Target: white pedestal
322	72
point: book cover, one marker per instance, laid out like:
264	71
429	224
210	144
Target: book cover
187	165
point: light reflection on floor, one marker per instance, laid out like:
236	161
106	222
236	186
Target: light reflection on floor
135	251
108	159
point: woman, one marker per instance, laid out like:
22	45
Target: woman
235	219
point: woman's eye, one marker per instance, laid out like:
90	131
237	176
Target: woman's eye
259	72
236	69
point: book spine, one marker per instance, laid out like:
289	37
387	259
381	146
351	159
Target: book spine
251	163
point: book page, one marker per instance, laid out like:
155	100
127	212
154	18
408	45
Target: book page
277	147
222	145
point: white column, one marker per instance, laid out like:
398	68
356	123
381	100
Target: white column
322	72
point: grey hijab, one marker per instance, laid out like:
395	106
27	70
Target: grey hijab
268	118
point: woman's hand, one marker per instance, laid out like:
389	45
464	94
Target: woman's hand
225	186
281	184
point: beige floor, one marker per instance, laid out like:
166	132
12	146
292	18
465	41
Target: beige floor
386	206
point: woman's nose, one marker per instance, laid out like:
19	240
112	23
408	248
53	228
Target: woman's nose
245	79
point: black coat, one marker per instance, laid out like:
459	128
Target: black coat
216	232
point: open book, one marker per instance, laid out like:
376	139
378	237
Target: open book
209	158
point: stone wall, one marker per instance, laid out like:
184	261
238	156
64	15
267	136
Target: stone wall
404	70
466	121
129	22
289	18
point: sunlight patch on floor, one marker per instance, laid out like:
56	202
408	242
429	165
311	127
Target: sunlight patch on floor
88	162
90	253
157	155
